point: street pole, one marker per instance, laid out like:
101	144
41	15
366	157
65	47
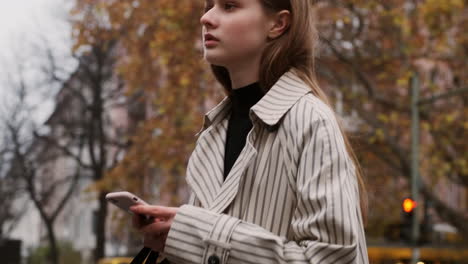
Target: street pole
415	184
415	164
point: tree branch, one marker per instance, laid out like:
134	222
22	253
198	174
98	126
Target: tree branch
64	149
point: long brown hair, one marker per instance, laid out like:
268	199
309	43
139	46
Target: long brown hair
295	50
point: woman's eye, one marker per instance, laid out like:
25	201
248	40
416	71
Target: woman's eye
229	6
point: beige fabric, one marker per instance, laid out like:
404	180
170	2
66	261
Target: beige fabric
291	197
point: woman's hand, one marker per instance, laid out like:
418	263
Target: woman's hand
154	231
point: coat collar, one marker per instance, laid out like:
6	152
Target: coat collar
280	98
272	107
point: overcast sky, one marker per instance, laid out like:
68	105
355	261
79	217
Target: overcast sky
23	18
24	24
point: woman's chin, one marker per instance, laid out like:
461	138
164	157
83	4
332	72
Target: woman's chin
214	59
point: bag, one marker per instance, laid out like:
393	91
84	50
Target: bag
149	255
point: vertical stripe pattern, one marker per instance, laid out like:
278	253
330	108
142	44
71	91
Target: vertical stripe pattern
291	196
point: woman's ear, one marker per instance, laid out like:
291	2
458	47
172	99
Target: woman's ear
280	24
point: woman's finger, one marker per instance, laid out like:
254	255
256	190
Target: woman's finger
139	220
136	221
153	210
156	228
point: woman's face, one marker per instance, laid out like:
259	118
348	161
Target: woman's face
235	32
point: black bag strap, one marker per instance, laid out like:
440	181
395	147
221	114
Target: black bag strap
152	257
145	253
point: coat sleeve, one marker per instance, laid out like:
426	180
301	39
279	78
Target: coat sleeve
326	226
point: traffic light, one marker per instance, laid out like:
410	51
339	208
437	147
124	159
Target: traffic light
408	212
409	205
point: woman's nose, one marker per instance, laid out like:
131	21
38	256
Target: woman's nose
208	19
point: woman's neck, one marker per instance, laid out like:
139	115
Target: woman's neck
243	75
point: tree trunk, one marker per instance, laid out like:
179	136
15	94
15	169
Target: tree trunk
53	255
101	227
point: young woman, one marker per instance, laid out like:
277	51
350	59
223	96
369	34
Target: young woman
273	178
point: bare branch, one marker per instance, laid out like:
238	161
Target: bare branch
76	157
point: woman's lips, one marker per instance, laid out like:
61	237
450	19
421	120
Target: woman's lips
210	40
211	43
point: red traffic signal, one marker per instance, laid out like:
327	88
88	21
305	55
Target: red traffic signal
409	205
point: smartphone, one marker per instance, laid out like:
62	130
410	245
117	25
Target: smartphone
124	200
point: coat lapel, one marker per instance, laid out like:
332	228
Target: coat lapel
206	164
230	187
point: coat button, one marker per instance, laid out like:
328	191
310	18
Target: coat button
213	259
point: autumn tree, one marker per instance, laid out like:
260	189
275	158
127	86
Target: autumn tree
161	62
371	51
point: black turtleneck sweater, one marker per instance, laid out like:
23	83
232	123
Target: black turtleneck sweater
239	123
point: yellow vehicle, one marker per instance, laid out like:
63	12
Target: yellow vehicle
119	260
428	255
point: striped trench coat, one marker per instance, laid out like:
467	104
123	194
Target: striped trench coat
291	196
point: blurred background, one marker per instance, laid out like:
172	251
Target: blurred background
99	96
